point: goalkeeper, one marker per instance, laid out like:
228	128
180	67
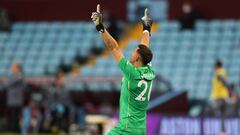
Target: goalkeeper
137	78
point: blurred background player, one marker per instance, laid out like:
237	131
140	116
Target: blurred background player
15	87
220	89
189	16
5	24
137	81
58	105
220	93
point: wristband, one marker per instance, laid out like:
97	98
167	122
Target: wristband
100	28
147	27
145	31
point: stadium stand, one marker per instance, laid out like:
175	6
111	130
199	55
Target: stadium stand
185	58
42	46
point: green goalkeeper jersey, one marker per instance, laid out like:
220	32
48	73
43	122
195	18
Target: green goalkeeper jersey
135	93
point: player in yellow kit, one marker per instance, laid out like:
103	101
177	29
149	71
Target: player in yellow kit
137	78
220	89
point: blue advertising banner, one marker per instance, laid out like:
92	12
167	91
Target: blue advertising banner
178	125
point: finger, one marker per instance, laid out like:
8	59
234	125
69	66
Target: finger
93	17
98	8
146	12
93	14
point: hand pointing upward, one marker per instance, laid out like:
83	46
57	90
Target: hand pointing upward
97	16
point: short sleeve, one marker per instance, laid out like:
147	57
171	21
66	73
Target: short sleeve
127	68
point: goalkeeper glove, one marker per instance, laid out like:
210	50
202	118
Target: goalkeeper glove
146	21
97	19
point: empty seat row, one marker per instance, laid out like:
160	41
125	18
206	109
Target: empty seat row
42	46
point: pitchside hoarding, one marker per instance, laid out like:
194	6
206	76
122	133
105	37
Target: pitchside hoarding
178	125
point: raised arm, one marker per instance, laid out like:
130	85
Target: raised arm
145	39
147	24
110	42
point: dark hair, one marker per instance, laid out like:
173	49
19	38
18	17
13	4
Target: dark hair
145	54
218	63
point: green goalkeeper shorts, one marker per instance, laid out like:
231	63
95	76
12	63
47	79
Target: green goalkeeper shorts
126	131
